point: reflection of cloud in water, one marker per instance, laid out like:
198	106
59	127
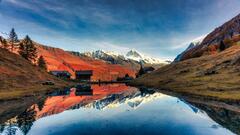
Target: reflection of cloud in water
137	101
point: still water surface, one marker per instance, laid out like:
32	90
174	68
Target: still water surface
116	109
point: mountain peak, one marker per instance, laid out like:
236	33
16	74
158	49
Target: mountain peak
228	33
133	53
192	44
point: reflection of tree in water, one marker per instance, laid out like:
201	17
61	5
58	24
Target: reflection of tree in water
11	130
40	104
224	117
146	91
25	120
2	126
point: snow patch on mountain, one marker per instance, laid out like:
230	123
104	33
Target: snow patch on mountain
133	101
134	55
131	55
193	44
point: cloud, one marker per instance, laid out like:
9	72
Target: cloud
107	46
66	14
161	28
21	4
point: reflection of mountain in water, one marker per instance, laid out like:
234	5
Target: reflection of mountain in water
20	124
193	108
102	97
61	100
133	100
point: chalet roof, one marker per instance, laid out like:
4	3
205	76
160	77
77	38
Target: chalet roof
84	72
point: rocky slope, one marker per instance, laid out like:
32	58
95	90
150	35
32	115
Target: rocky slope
214	74
228	33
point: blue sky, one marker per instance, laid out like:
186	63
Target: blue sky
159	28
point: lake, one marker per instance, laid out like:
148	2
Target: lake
114	109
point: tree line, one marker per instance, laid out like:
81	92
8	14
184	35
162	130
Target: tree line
25	48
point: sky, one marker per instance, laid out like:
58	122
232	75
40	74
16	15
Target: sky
159	28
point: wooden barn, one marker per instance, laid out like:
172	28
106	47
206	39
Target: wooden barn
84	75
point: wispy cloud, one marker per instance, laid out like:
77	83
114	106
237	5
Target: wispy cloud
111	47
160	28
185	42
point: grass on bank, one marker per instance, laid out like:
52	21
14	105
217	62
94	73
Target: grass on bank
214	76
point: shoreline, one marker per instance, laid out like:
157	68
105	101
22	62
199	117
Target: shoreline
20	93
228	104
215	76
184	93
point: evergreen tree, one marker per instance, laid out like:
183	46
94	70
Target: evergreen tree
13	38
222	46
42	63
41	104
2	127
27	49
4	44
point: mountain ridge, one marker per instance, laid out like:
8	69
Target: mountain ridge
228	33
131	55
192	44
205	70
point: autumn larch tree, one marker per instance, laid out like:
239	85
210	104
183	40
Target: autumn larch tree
42	63
13	38
27	49
1	38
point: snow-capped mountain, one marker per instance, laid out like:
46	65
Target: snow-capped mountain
131	56
193	44
134	55
110	57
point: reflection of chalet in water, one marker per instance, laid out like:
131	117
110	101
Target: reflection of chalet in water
61	74
84	75
83	90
